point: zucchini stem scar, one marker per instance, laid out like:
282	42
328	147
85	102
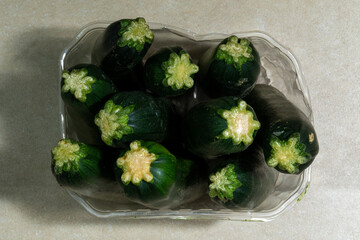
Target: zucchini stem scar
235	52
287	154
178	71
78	83
66	156
241	124
223	183
136	164
135	33
112	121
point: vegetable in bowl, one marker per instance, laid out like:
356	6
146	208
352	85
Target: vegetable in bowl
120	48
219	127
152	176
128	116
84	87
75	163
287	136
230	69
170	72
241	180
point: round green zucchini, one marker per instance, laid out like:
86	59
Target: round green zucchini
75	163
219	127
147	171
153	177
84	87
170	72
241	180
287	136
229	69
128	116
120	48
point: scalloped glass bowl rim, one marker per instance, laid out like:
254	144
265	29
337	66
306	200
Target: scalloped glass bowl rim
255	216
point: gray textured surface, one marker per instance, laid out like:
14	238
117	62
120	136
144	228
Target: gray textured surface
324	35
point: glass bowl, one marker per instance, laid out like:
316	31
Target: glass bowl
279	68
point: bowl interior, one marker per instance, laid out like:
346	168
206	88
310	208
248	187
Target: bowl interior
279	68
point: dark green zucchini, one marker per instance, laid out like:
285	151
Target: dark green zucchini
242	180
129	116
220	126
84	87
229	69
287	136
153	177
170	72
148	172
75	163
120	48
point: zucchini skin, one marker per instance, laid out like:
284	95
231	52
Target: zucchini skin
191	180
118	62
174	130
155	74
149	119
256	178
89	167
101	89
219	78
202	125
282	119
109	156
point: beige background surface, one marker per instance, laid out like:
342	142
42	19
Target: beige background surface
324	35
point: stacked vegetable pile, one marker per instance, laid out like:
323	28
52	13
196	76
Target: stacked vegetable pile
163	152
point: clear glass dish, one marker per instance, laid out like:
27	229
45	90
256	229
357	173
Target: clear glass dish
279	68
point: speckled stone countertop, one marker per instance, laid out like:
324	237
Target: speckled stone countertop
324	35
